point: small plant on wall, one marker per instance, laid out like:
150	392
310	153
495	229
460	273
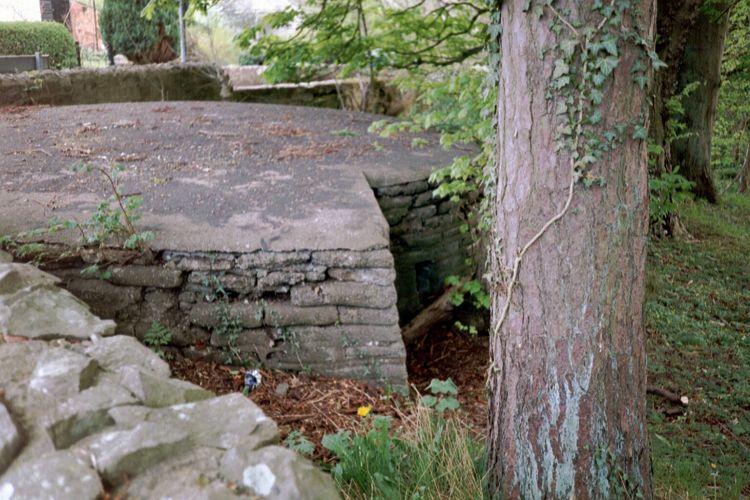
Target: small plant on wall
157	337
115	216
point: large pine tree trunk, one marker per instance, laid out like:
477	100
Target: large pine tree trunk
568	383
701	62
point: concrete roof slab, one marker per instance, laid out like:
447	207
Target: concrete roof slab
214	176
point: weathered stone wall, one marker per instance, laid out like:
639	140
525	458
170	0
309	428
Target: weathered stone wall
155	82
329	312
427	242
84	416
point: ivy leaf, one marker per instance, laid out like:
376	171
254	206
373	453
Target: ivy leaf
610	45
561	69
588	159
568	47
561	82
640	133
656	62
638	66
607	65
565	129
641	80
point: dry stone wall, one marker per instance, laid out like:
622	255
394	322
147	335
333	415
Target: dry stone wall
352	94
329	312
190	82
86	415
427	242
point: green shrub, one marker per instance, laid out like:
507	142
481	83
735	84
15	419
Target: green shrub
126	31
668	192
52	39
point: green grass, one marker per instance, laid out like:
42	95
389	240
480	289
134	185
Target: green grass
431	457
698	320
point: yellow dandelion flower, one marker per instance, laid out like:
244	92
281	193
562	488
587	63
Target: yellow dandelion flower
363	411
713	466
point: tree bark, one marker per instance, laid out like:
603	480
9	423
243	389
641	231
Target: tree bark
701	62
568	381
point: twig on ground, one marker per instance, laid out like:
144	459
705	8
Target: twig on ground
668	395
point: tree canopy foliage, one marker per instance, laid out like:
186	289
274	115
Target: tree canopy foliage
367	35
732	131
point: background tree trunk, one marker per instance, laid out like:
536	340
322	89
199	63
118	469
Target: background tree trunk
675	19
744	177
568	386
674	22
701	62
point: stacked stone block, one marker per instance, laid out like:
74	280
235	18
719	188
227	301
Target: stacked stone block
329	312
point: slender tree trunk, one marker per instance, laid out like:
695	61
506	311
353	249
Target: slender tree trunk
744	177
183	34
568	380
701	62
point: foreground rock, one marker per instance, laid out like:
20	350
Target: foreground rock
81	418
31	306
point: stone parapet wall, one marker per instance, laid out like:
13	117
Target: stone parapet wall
329	312
192	82
427	242
154	82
